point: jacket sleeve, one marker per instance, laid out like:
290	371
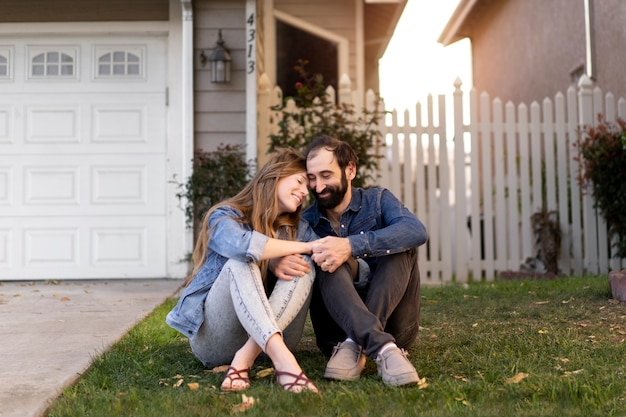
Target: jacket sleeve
394	229
232	239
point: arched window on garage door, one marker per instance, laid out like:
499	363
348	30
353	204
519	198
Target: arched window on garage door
5	64
53	63
119	63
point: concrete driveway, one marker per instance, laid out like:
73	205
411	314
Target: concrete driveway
50	332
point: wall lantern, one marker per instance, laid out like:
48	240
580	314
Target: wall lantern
220	61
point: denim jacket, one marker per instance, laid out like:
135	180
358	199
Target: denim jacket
229	240
376	223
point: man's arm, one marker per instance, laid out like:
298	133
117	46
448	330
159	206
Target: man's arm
398	230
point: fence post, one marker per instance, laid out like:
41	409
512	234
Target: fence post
460	200
585	118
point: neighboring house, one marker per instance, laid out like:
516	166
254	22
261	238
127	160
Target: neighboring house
526	50
102	104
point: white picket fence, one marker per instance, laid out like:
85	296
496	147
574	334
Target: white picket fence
476	184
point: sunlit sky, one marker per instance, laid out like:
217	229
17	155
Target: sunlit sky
414	64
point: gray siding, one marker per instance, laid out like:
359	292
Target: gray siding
220	109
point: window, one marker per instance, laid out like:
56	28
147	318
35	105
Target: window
5	63
293	44
119	63
52	64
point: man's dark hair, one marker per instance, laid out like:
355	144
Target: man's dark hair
344	154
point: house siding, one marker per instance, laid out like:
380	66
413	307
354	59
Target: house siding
220	109
610	45
524	50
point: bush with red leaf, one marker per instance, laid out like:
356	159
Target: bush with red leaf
603	169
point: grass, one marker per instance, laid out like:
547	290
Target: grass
564	339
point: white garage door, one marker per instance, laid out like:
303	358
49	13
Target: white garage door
82	157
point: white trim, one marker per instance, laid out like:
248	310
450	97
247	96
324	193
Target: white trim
360	47
269	46
343	46
251	25
180	131
91	28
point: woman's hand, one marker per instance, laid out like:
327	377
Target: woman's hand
288	267
331	252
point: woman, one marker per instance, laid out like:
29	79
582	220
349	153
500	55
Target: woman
224	309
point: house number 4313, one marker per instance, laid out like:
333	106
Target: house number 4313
250	42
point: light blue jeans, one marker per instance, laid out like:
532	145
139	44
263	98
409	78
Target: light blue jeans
237	308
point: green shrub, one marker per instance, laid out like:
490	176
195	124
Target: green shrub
317	114
217	175
603	169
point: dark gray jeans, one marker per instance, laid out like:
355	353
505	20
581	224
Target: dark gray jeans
385	310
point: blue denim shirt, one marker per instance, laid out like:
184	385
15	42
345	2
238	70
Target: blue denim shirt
376	223
229	240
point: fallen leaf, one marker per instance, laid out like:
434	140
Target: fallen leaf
576	372
517	378
462	378
542	332
193	386
422	384
178	383
246	403
265	373
542	302
219	369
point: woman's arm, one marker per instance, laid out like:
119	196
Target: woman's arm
275	248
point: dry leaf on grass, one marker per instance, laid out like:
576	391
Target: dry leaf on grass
246	403
218	369
576	372
517	378
264	373
178	383
422	384
193	386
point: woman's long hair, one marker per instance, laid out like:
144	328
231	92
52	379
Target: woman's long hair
258	203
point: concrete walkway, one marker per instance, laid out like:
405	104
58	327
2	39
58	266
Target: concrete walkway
51	331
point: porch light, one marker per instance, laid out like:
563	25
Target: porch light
220	61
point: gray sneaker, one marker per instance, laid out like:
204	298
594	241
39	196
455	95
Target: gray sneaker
395	369
346	363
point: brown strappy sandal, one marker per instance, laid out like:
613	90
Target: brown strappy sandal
299	380
233	375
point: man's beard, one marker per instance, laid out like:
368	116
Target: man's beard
336	194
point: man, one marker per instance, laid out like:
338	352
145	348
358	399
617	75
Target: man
366	299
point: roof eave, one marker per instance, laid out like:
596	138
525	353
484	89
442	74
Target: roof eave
454	29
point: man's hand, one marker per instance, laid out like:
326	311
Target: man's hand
331	252
290	266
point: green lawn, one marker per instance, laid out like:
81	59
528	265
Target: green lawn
509	348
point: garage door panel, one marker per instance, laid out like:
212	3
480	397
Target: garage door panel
6	125
114	185
120	124
64	248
